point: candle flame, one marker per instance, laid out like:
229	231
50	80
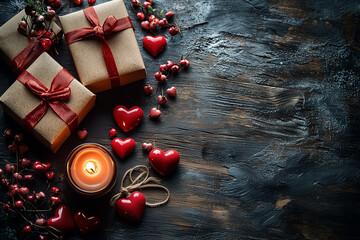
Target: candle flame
90	168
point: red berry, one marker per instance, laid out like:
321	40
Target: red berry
40	221
13	190
91	2
153	25
46	166
169	64
56	3
18	176
55	200
4	182
19	204
150	1
148	90
49	175
1	172
9	168
42	237
55	190
12	148
140	16
163	68
135	2
27	229
169	14
24	191
40	19
175	68
171	91
156	20
163	23
185	63
31	198
22	28
46	43
163	78
78	2
157	75
40	195
162	100
23	149
147	146
155	113
28	177
13	186
25	162
112	133
173	31
50	14
145	25
37	166
151	18
6	207
147	4
8	133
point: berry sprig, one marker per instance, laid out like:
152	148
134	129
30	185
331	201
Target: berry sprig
152	19
29	205
165	74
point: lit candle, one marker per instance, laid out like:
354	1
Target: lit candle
91	169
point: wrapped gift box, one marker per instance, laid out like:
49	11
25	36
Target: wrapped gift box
12	42
88	55
19	101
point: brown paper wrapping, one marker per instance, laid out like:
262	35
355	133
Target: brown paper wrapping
88	56
18	101
12	42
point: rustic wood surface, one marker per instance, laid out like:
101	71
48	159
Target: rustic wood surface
266	121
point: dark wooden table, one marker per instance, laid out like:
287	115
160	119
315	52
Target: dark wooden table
266	121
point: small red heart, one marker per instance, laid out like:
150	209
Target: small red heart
155	113
131	208
147	146
164	163
127	119
82	133
49	175
123	148
46	166
63	220
171	91
154	45
86	224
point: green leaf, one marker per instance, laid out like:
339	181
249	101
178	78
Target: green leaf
150	9
161	13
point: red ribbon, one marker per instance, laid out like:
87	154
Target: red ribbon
111	25
54	98
27	56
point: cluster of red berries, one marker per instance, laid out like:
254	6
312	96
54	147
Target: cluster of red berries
90	2
34	25
166	71
151	20
15	178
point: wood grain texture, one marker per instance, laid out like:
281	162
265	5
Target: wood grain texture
266	121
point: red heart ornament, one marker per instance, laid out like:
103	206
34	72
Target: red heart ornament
127	119
171	91
86	224
164	163
155	113
123	147
154	45
131	208
82	133
63	220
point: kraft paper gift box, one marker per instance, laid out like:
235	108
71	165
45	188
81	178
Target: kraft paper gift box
88	54
67	96
12	43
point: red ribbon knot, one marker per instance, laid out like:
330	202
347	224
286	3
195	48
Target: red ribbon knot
54	98
111	25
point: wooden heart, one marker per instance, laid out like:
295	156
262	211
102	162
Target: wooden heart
154	45
86	224
123	147
63	220
164	163
131	208
127	119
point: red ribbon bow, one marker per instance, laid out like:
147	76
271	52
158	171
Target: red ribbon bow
53	97
27	56
111	25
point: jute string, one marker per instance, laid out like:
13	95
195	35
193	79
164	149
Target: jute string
140	182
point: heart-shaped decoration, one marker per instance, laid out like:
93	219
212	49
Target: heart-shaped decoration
131	208
164	163
155	113
86	224
123	148
147	146
49	175
127	119
82	133
154	45
171	91
63	220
